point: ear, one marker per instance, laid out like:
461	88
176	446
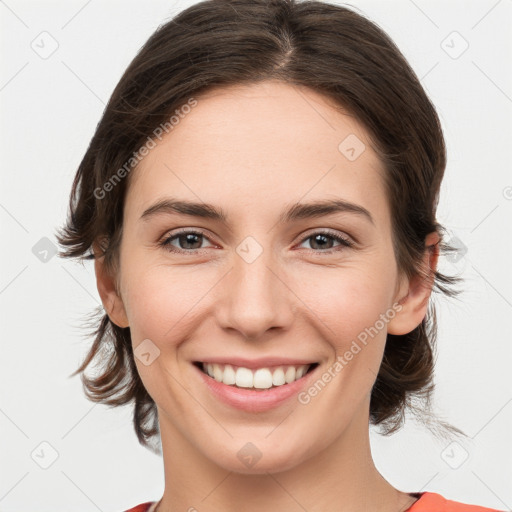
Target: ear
416	292
107	289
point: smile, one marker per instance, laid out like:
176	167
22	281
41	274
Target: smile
256	378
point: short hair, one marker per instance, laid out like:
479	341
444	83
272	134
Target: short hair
332	50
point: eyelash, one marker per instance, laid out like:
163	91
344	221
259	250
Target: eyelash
345	242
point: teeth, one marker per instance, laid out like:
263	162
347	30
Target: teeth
278	377
217	373
262	378
290	374
229	375
244	377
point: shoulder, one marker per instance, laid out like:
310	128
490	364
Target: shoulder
434	502
148	506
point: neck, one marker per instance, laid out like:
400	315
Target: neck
340	478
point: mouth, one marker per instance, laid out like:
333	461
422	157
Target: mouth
258	379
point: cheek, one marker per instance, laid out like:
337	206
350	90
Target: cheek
349	308
348	299
162	302
144	302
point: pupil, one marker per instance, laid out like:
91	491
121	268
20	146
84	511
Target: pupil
189	238
321	237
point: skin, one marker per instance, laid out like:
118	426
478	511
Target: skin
252	151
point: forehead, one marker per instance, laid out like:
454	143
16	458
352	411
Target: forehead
258	145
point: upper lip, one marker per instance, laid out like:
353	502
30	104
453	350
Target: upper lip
263	362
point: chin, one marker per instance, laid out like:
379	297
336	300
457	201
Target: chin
258	458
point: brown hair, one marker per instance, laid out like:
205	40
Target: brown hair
332	50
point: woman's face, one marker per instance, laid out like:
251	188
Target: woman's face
265	281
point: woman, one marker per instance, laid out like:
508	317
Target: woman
291	144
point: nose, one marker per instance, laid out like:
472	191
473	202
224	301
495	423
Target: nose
256	298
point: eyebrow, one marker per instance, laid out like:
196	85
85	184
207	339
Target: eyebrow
297	211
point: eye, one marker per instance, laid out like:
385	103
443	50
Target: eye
188	241
320	239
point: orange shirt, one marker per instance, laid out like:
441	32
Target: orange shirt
428	502
433	502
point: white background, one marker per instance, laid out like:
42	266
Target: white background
50	108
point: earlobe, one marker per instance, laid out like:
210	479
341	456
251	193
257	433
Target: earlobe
112	301
415	300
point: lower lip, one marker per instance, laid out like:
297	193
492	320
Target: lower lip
252	400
